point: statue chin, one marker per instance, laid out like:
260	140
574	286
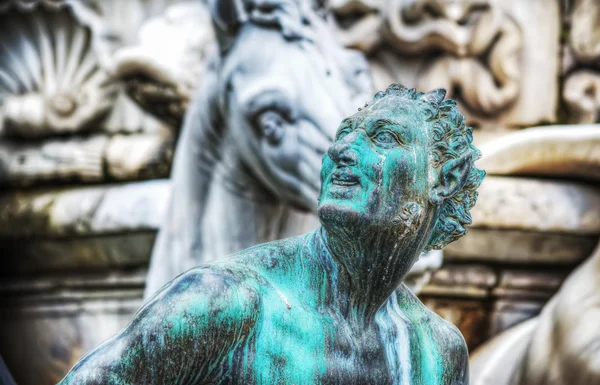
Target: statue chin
332	215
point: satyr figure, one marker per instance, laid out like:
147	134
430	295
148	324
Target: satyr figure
327	307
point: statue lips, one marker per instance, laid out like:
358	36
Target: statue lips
344	177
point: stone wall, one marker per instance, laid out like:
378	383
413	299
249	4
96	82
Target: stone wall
77	229
83	169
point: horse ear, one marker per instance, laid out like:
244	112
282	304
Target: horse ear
227	15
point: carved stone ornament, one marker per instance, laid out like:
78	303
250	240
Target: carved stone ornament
52	79
327	307
581	89
164	68
488	53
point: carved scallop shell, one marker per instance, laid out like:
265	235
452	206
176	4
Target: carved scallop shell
51	80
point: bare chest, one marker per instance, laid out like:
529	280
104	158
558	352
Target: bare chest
305	347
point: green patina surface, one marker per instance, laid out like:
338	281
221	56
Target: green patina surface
327	307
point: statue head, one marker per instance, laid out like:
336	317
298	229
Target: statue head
284	85
403	165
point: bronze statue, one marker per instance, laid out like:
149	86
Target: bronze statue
327	307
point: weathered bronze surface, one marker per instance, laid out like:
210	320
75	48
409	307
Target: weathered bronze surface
328	307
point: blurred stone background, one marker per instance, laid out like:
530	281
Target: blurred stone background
84	169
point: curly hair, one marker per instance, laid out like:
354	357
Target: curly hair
450	138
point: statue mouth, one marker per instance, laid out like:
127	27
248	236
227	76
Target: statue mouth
344	177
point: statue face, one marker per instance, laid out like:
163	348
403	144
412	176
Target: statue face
377	165
284	102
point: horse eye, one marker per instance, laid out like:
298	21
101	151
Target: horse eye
271	124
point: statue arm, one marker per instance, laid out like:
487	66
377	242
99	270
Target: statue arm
455	356
460	362
181	336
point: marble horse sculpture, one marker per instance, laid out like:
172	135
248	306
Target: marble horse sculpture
246	169
560	346
327	307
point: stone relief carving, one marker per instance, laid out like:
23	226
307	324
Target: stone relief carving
358	23
164	68
65	81
59	159
56	88
478	49
480	43
581	95
581	90
51	75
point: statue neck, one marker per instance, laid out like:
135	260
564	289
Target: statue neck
369	266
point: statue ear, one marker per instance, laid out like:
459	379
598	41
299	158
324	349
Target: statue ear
227	15
452	177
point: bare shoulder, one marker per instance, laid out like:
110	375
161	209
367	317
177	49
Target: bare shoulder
188	329
229	287
268	258
209	295
448	340
204	309
453	350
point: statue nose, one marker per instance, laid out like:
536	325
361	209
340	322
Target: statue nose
342	154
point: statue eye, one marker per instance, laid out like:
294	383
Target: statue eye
385	137
271	124
343	132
